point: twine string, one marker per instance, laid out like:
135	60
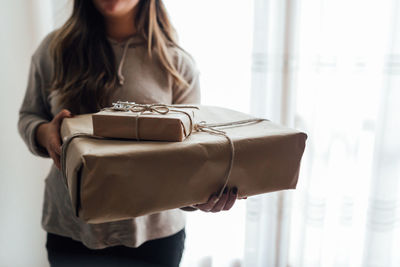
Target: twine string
212	128
162	109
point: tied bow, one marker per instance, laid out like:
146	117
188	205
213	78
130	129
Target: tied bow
134	107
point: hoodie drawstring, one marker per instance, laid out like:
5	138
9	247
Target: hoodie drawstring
121	77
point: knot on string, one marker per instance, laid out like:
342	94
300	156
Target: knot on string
134	107
156	108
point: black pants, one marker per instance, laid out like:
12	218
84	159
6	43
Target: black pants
63	251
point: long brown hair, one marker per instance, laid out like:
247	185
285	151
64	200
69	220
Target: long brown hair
84	62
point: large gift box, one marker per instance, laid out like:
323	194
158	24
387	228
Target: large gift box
111	179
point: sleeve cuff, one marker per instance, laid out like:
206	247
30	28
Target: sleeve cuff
34	146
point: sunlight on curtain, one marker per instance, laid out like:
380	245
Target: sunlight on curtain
218	34
346	211
342	67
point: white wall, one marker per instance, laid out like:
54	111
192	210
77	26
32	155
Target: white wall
22	242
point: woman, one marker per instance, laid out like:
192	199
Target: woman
107	51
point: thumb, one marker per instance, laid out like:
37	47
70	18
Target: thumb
65	113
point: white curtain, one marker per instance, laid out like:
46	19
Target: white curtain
330	68
218	34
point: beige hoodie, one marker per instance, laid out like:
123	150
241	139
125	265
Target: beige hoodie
142	81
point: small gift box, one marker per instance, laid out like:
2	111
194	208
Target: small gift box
157	122
114	179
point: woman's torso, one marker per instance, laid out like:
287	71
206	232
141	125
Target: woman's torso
145	82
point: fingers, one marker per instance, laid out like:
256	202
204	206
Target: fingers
55	144
226	201
54	149
58	150
208	205
233	194
52	136
55	152
56	159
221	202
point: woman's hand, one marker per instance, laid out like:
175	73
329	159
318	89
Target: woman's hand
225	202
48	136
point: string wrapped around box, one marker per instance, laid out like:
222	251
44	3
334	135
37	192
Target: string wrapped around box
225	148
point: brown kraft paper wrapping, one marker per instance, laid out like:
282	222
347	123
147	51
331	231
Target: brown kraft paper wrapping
174	126
110	180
